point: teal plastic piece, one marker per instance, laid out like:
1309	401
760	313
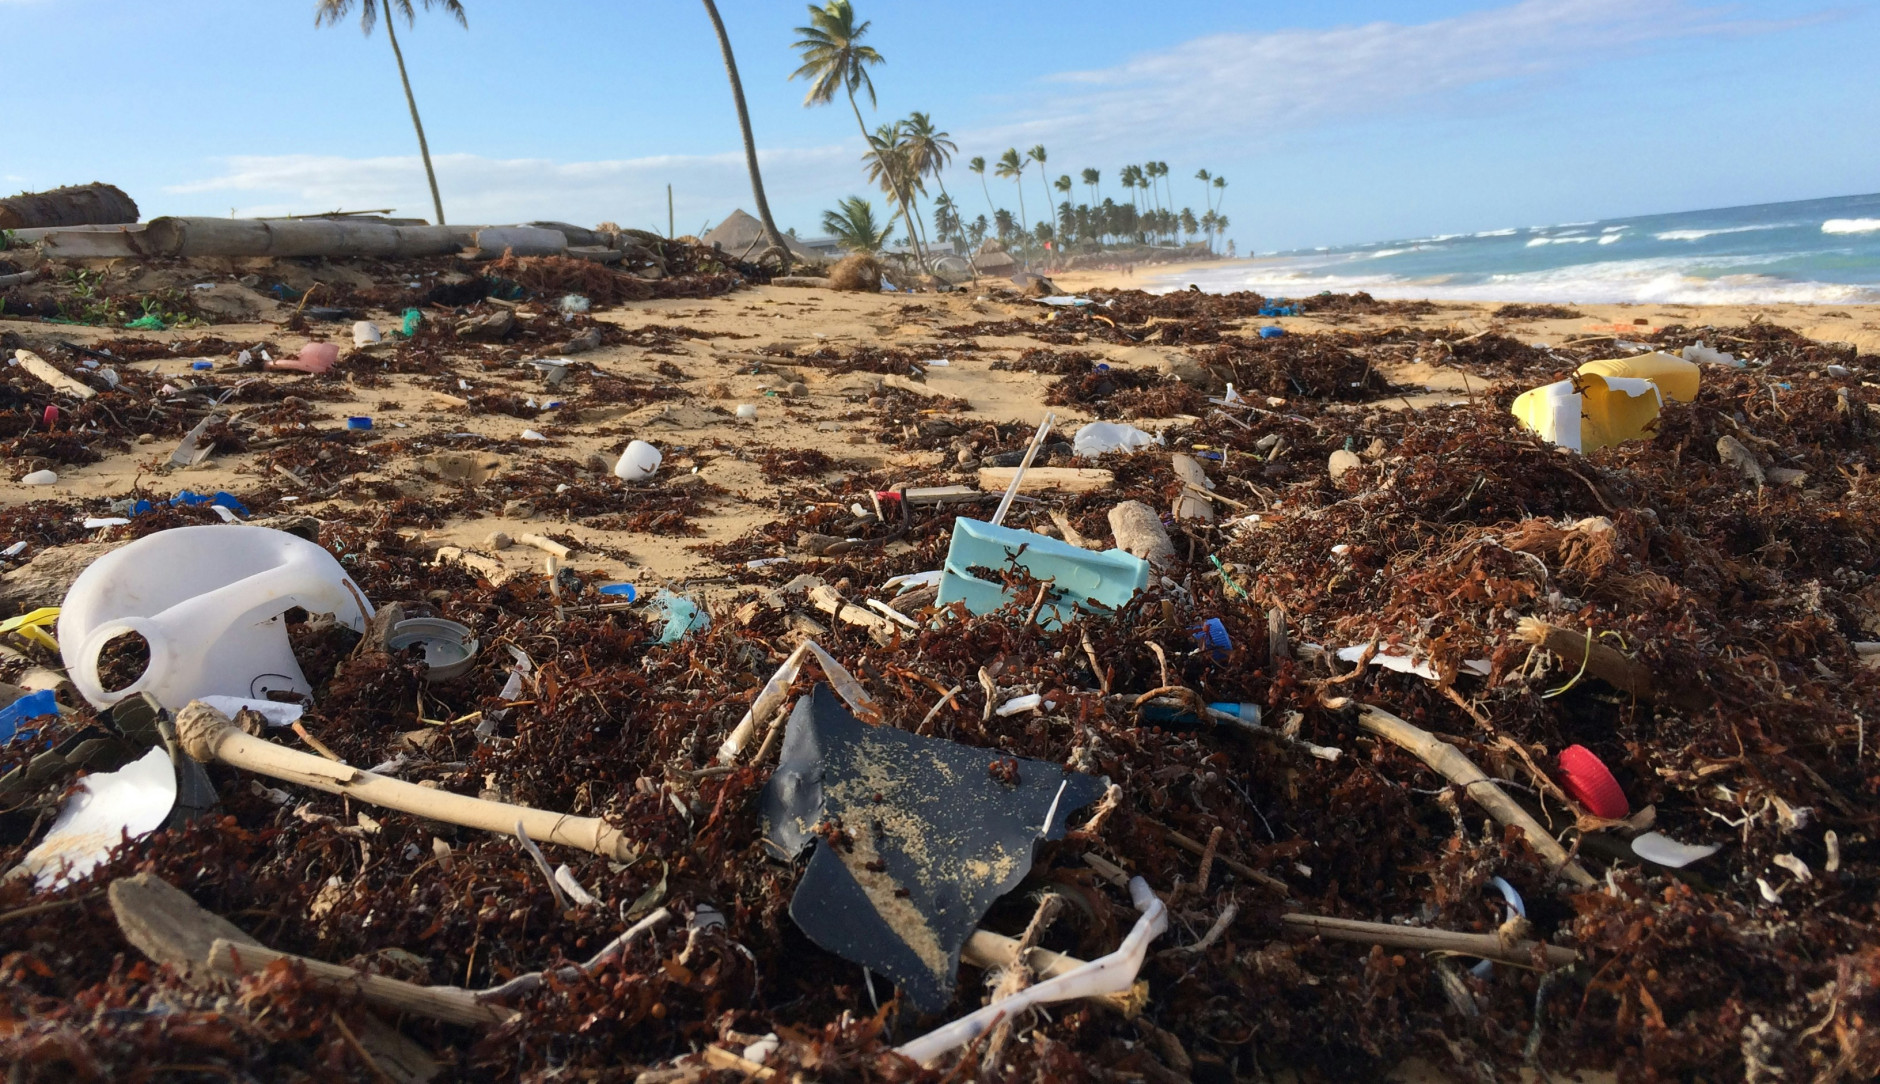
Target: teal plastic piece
1082	580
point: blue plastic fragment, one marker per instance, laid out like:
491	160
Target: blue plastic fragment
1082	580
622	590
1212	635
1271	332
358	421
30	706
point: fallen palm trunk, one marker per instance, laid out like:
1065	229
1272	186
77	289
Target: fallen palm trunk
1486	945
259	237
1460	770
77	205
207	735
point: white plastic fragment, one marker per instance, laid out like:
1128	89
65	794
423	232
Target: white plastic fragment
107	809
1112	974
92	523
1098	438
1795	866
530	434
275	712
1702	355
774	690
1659	848
912	580
747	412
1019	703
566	879
365	333
39	478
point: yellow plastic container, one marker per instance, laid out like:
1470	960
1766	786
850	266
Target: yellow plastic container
1674	376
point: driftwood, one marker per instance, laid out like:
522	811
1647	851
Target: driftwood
78	205
163	923
1047	479
259	237
51	375
1486	945
451	1004
1615	668
1139	530
207	735
1447	760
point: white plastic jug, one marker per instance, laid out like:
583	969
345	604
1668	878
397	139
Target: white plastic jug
208	601
638	462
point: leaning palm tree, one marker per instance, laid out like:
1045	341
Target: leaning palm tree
929	149
1011	165
330	12
835	59
1037	155
978	165
1091	177
772	235
854	227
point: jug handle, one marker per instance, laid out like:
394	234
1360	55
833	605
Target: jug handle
84	671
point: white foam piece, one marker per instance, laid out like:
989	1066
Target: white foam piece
107	809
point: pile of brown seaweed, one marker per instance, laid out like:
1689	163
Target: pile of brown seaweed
1734	716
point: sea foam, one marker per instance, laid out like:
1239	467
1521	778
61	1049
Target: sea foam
1851	225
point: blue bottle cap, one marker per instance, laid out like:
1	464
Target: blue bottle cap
358	421
202	364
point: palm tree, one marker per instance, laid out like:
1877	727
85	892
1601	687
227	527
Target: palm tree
1207	229
1004	222
946	218
1220	225
1190	224
853	225
1131	175
771	233
978	165
835	59
1161	170
890	164
1091	177
929	150
330	12
1011	165
1037	155
1220	185
1204	177
1063	184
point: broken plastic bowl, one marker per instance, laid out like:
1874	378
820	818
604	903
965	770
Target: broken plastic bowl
208	602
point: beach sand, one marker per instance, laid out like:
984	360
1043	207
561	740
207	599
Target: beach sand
715	374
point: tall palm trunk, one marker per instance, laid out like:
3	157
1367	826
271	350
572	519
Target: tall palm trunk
1045	183
894	184
990	206
1016	178
771	234
424	148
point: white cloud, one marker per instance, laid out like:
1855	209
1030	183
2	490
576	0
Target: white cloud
1236	86
630	191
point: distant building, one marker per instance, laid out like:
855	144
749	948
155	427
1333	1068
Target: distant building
742	238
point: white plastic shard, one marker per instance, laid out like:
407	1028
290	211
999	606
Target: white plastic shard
1662	849
107	809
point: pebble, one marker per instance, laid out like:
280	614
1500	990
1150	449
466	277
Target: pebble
146	438
498	540
797	390
1341	462
518	510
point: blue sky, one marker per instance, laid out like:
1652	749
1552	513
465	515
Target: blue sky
1335	122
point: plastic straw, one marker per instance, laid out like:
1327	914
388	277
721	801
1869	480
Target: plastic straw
1011	491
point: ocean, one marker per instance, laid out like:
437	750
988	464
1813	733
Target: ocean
1812	252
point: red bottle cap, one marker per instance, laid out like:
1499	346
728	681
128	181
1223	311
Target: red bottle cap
1590	782
51	415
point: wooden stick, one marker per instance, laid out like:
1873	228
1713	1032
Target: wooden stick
448	1003
987	950
1619	670
1447	760
1486	945
1198	848
207	735
719	1058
